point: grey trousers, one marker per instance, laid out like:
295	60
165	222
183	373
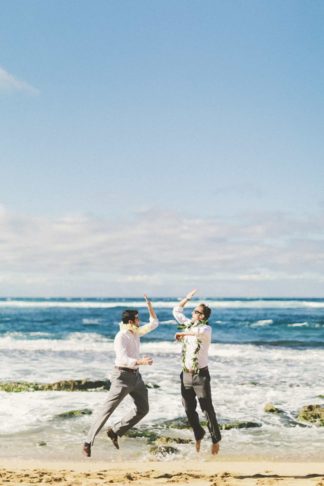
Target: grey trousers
195	386
123	383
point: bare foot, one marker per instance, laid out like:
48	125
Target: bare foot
215	449
198	442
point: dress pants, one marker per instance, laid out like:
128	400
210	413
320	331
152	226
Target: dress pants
123	383
193	386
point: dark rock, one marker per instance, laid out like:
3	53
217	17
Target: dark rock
64	385
74	413
168	440
177	423
239	425
152	385
163	450
145	433
78	385
313	414
271	408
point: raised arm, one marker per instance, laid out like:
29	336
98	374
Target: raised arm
153	319
150	307
178	310
188	297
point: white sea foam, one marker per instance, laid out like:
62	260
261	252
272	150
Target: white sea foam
90	322
74	342
298	324
235	304
262	323
289	378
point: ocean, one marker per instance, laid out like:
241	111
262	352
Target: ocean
263	351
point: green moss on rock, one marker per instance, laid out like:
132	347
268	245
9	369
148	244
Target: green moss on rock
146	433
271	408
239	425
169	440
313	414
163	450
63	385
74	413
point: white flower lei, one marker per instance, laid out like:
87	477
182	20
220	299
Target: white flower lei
195	363
129	327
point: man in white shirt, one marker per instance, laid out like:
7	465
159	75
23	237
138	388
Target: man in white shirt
126	379
195	378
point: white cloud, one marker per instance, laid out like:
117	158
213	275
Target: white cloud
9	83
161	253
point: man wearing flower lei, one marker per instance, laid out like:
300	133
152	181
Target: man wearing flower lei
195	336
126	378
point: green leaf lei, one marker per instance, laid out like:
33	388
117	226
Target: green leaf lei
195	364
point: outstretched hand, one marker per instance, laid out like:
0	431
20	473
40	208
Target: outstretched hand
150	307
179	336
146	361
191	294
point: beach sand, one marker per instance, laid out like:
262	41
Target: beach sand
215	472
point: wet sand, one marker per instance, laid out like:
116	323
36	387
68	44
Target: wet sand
215	472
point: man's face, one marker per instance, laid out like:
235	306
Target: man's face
136	321
198	313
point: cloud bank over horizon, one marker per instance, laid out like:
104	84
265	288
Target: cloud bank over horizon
162	253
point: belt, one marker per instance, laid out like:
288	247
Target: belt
196	372
131	370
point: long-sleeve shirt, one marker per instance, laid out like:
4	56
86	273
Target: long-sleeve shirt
127	344
196	346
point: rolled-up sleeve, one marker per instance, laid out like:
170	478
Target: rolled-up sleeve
179	316
153	324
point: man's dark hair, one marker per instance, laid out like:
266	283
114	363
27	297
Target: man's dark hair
129	315
206	311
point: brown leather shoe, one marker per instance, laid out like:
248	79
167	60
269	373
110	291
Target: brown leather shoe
113	436
87	449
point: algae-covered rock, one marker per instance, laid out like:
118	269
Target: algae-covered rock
74	413
163	450
169	440
152	437
64	385
145	433
239	425
177	423
271	408
18	386
182	423
152	385
78	385
313	414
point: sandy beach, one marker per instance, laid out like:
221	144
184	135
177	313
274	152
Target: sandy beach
215	472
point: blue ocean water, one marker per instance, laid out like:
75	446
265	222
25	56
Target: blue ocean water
272	322
263	350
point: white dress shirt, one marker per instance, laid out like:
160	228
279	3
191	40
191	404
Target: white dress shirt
202	332
127	345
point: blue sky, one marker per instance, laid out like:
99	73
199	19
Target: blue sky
160	145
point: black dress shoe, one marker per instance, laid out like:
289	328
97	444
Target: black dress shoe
113	436
86	449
